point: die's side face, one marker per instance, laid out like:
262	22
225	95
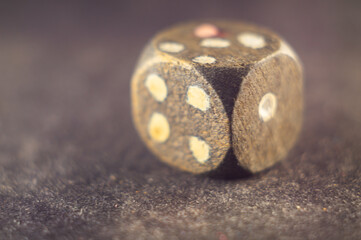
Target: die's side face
267	115
178	114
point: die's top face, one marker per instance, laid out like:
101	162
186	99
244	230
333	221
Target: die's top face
217	43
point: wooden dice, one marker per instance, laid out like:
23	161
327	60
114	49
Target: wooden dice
204	94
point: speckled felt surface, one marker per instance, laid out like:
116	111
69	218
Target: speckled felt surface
72	166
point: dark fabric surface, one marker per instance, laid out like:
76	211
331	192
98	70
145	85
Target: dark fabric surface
73	167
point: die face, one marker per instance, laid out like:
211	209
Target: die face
178	114
232	44
267	115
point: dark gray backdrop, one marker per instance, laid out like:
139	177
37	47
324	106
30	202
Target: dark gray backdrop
72	166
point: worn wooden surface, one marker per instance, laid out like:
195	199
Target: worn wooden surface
259	144
72	166
222	122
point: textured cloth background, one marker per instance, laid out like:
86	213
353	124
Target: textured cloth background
73	167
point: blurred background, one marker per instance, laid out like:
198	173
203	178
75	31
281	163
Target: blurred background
73	167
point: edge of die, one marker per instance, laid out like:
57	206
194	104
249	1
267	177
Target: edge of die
287	50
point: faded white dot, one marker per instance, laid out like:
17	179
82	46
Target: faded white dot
215	43
198	98
204	59
171	47
157	87
158	128
251	40
267	106
199	148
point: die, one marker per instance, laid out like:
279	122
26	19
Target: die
220	93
